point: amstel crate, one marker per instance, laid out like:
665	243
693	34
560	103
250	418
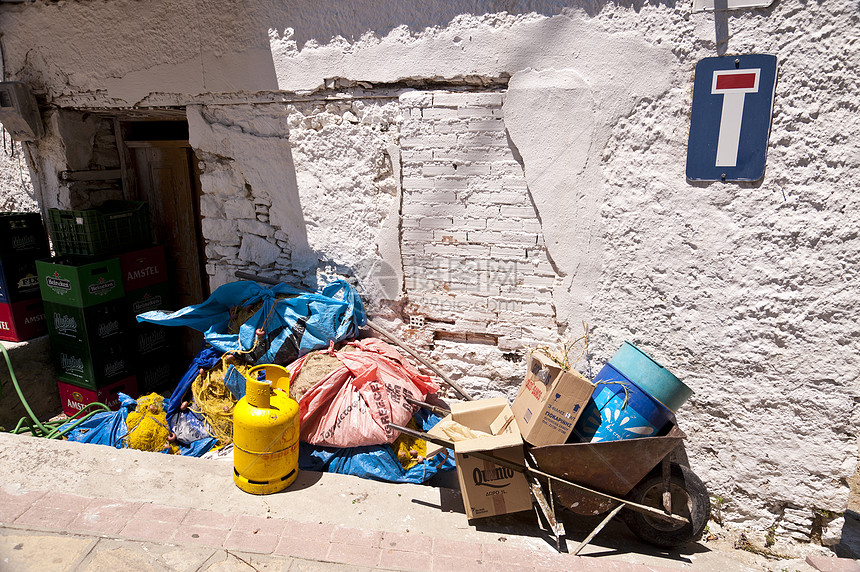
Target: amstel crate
94	368
22	321
143	267
80	282
115	226
88	327
22	233
74	397
18	278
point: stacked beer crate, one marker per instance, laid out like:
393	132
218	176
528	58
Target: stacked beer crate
106	272
22	241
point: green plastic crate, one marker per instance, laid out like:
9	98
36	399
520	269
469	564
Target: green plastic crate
115	226
80	282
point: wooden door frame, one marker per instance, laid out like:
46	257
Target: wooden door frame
129	180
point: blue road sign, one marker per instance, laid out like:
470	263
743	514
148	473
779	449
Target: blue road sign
730	119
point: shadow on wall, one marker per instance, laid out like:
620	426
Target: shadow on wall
353	19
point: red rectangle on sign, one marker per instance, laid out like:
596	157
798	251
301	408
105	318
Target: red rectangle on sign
736	81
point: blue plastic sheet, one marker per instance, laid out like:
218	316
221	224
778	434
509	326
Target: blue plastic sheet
235	382
206	359
376	462
107	428
292	326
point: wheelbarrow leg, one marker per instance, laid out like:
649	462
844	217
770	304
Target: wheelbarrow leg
667	493
600	526
546	508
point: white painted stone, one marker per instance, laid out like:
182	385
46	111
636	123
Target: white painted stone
239	208
220	230
258	250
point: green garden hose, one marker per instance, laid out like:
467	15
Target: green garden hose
49	429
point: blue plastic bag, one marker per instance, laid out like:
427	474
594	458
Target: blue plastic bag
107	428
292	326
376	462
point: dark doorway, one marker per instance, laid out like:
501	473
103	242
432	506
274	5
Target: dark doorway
161	169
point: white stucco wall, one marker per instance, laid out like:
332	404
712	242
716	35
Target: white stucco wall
746	291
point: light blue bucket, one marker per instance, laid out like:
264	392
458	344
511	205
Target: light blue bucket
619	409
644	371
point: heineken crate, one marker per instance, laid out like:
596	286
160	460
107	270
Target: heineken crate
91	367
18	279
88	327
115	226
74	398
150	339
142	268
22	233
79	282
22	321
160	372
157	297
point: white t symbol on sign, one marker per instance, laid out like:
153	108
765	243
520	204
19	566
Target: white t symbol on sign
734	85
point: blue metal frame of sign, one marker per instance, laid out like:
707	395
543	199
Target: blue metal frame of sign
730	119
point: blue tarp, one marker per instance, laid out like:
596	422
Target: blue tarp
292	326
107	428
376	462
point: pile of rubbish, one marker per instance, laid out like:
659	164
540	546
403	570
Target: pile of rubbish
349	390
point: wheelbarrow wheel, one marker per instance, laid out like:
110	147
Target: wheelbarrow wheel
689	499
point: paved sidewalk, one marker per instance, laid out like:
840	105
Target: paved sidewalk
68	506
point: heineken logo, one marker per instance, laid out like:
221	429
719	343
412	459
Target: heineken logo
57	284
146	304
101	287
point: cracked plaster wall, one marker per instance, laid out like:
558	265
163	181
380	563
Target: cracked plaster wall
745	291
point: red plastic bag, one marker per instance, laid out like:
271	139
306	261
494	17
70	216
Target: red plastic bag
353	405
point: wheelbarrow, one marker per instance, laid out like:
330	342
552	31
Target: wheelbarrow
666	503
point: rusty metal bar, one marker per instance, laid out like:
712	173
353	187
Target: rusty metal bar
600	526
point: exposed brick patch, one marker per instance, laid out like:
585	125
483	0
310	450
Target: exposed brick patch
469	224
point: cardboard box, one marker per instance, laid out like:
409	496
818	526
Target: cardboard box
487	488
75	398
549	401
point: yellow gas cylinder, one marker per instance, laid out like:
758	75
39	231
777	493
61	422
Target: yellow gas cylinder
266	433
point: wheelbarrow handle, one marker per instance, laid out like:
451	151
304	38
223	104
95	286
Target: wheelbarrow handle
530	470
432	408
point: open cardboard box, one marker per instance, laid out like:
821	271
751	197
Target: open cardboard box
487	488
549	401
